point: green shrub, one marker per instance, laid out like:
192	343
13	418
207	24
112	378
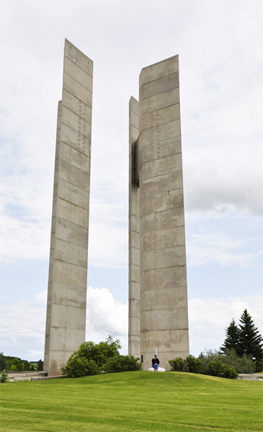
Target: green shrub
243	364
217	368
123	363
230	372
178	364
190	364
101	352
214	368
193	365
91	358
208	356
4	376
78	366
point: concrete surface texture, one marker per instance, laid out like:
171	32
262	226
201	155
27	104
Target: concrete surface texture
134	231
157	282
67	287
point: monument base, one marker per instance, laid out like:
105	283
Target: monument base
156	370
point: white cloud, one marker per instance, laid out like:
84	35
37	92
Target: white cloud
14	340
33	354
108	245
209	318
42	297
106	314
213	187
108	233
24	240
209	247
22	329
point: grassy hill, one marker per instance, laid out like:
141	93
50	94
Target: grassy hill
133	401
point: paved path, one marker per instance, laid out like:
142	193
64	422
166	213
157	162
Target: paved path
253	377
30	376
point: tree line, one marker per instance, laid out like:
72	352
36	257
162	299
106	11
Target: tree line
245	339
241	352
16	364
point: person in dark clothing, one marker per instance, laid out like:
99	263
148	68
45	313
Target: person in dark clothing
155	363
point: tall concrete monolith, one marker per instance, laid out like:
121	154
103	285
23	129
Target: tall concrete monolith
67	287
158	281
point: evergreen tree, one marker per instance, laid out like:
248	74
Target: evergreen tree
40	365
3	362
232	338
250	340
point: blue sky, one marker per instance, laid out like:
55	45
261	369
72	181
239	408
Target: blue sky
220	56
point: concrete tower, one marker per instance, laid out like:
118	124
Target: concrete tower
158	312
67	287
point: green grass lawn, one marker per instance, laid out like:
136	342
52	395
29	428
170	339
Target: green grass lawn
132	401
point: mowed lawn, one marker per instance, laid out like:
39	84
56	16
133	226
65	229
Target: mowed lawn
132	401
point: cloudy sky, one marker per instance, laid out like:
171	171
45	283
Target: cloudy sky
220	52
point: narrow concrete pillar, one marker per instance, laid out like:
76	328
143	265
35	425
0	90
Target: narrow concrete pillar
134	231
66	307
51	257
163	286
164	313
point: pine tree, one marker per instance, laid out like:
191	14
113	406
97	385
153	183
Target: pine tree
250	340
3	362
232	337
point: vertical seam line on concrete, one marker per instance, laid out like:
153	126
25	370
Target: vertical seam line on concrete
65	55
78	187
72	183
73	148
77	205
162	268
77	115
154	142
70	306
77	149
72	223
71	164
161	77
77	131
75	64
165	140
160	175
156	109
91	93
159	193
